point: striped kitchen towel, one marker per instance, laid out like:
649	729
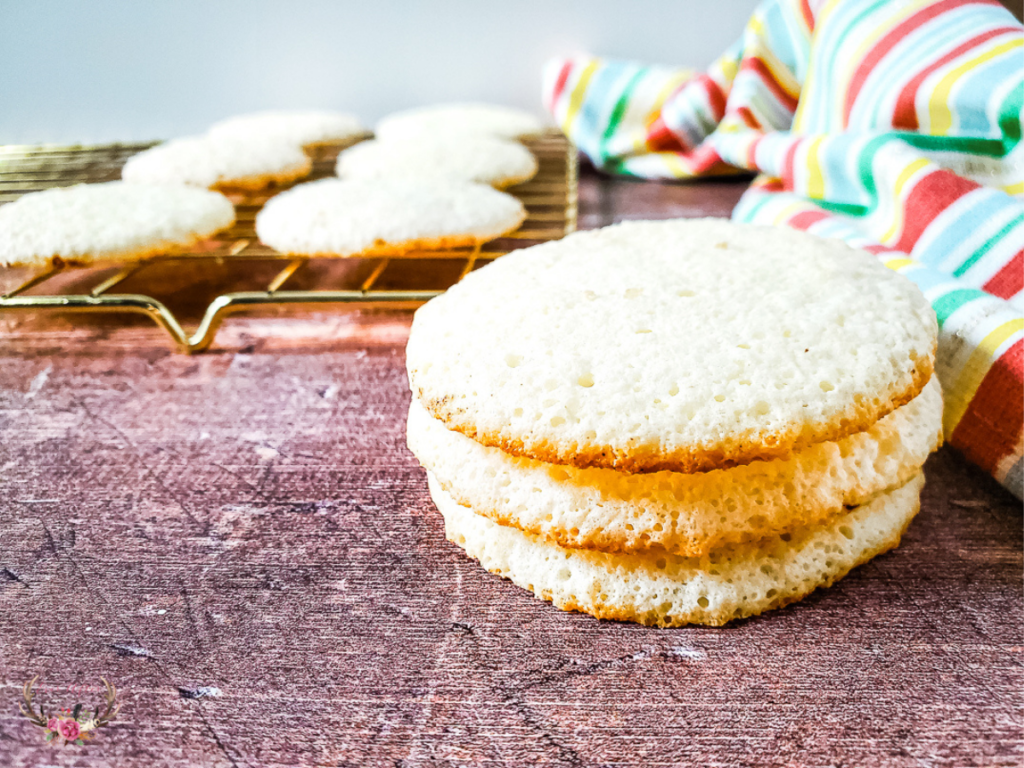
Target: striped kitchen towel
893	124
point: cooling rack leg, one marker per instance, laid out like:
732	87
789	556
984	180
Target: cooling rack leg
377	271
284	274
113	280
32	281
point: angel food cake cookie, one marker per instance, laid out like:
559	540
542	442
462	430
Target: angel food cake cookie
111	222
307	128
238	163
458	120
470	158
695	392
388	216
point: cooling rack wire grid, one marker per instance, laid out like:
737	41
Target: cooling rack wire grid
205	285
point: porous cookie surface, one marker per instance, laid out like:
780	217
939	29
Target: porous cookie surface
472	158
686	514
452	119
304	128
108	222
684	345
230	162
343	217
669	590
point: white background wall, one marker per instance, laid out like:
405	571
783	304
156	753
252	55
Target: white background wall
105	70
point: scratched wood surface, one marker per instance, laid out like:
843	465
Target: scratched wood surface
242	544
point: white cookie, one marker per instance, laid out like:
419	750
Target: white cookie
304	128
684	345
219	163
471	158
353	217
685	514
114	222
669	590
460	119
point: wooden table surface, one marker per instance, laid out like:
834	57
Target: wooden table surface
242	544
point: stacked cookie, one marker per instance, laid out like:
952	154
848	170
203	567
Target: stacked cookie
676	422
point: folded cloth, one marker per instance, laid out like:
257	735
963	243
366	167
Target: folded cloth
892	124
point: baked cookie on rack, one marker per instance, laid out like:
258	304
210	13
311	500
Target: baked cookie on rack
459	120
229	163
110	222
482	159
387	216
307	128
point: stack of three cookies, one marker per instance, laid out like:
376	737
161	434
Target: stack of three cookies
676	422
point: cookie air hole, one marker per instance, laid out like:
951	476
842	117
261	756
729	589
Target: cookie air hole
719	398
513	361
826	386
703	602
633	293
685	294
586	380
847	531
557	421
673	390
563	574
743	346
644	330
517	412
761	408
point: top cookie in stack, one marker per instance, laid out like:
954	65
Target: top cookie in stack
605	416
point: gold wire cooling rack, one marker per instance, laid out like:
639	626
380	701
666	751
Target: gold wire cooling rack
236	254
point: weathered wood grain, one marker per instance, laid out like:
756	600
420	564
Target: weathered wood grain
250	521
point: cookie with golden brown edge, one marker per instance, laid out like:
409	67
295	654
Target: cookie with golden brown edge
470	158
305	128
669	590
358	217
688	514
460	119
685	346
110	222
229	163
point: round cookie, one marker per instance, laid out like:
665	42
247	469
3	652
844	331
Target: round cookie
685	345
471	158
219	163
669	590
460	119
684	514
353	217
112	222
304	128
